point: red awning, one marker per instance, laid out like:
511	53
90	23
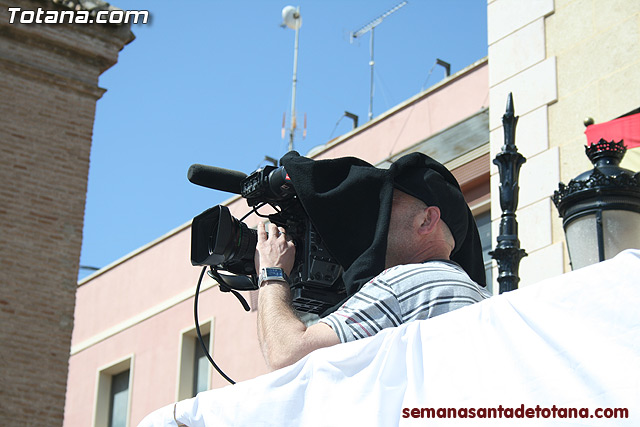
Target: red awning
625	128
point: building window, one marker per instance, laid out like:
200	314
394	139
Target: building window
471	170
483	221
200	366
195	369
113	397
119	400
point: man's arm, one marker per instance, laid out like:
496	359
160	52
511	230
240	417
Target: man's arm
284	339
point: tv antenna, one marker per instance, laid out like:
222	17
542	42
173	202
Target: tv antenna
370	27
291	19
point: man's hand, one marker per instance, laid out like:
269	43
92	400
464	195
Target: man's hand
284	339
274	249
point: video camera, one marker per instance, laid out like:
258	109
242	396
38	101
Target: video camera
221	241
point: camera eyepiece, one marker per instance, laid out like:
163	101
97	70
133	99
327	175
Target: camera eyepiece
269	184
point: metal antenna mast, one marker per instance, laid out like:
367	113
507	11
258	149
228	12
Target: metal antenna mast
370	27
291	18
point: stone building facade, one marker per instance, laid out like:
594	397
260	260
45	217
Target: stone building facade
48	93
563	60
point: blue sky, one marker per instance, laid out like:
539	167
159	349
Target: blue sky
208	82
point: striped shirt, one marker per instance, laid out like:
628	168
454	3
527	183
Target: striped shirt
402	294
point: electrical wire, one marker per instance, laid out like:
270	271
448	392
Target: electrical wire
428	75
195	315
410	112
383	89
335	127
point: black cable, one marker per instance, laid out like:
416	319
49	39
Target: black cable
224	287
253	210
222	283
195	315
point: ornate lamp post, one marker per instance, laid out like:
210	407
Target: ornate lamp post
601	207
508	252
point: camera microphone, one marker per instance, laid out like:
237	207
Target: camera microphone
216	178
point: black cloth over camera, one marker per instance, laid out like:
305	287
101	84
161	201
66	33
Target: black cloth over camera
349	202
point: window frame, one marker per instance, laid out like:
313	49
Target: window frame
102	405
186	359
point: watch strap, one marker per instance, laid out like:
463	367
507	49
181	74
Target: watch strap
274	274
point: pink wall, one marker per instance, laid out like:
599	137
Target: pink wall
150	279
418	119
155	344
162	271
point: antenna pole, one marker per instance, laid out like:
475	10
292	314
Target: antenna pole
293	87
369	28
371	64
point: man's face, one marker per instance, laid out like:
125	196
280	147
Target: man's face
401	239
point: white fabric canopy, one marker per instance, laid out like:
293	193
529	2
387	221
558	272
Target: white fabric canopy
569	342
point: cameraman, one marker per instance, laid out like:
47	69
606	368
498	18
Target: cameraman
419	281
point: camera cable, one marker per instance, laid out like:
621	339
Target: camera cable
224	287
195	315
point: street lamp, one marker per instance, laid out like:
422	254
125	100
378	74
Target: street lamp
601	207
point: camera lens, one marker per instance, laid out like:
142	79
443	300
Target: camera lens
217	238
242	245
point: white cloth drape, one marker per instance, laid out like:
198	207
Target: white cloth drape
569	342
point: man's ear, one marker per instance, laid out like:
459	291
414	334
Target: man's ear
429	220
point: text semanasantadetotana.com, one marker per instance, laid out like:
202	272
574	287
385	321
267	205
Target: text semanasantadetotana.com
519	412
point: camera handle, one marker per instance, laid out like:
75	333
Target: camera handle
237	283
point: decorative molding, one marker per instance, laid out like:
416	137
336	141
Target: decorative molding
50	77
140	317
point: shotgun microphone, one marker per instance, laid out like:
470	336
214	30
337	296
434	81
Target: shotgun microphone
216	178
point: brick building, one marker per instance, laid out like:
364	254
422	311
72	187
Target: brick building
48	92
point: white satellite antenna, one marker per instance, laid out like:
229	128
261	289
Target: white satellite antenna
291	19
370	27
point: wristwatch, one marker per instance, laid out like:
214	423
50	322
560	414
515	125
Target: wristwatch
272	273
